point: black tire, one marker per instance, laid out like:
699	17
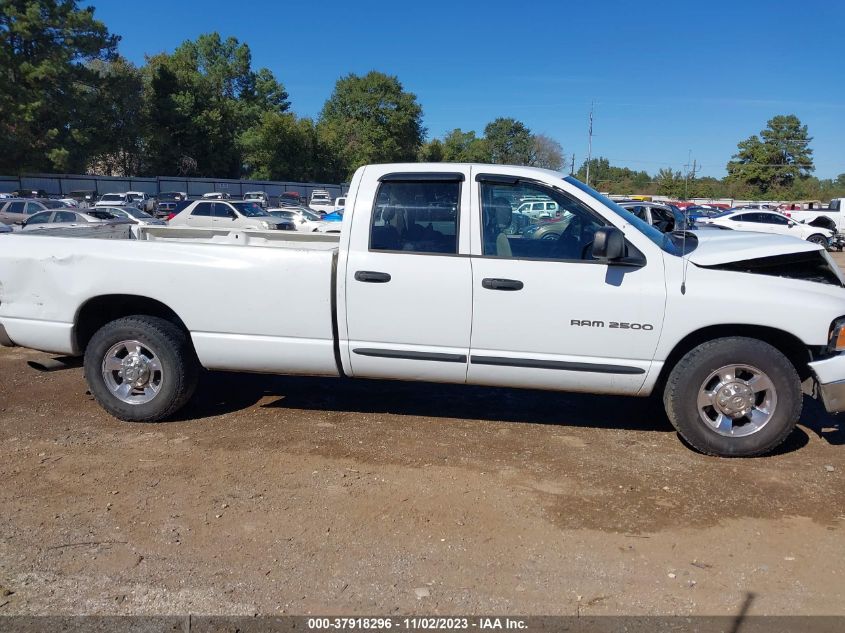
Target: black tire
821	240
180	368
690	373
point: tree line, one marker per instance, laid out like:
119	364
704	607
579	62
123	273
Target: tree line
70	103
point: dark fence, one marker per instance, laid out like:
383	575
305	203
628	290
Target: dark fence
57	184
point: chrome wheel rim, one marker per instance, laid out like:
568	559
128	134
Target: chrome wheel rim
737	400
132	372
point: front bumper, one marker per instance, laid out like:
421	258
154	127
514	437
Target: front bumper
830	382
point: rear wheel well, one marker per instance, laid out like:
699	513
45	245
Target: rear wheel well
96	312
788	344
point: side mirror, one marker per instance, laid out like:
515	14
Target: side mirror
609	243
791	223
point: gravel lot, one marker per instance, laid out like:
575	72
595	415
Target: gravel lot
301	495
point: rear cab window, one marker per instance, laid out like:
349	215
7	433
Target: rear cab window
416	216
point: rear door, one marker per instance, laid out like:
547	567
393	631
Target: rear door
545	314
408	279
201	216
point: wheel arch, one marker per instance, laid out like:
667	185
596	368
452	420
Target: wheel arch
97	311
796	351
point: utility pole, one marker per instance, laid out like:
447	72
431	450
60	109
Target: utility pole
590	143
572	165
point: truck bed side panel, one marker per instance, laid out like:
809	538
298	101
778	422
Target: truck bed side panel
247	308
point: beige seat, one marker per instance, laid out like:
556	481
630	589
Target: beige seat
497	217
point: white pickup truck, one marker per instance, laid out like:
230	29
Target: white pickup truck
424	283
832	218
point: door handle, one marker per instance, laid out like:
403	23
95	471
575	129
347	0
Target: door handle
501	284
372	277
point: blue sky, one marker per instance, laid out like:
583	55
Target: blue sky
667	77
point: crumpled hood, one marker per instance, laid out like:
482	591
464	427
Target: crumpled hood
721	247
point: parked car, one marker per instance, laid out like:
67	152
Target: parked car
770	222
216	195
142	200
321	201
662	217
84	197
30	193
172	196
5	196
71	203
424	292
695	212
134	215
293	196
66	218
17	210
168	209
538	209
260	197
112	199
229	215
303	219
833	217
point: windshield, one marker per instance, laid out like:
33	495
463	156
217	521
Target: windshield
112	196
310	215
250	209
669	242
136	213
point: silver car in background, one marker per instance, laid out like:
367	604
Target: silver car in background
67	218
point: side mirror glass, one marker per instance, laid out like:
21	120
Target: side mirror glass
609	243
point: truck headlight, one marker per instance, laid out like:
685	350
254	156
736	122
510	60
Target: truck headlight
837	335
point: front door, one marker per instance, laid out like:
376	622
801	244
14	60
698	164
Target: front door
408	278
546	314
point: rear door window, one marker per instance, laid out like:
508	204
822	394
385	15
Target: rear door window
203	209
65	216
416	217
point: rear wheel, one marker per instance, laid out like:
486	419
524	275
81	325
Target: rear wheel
141	368
733	397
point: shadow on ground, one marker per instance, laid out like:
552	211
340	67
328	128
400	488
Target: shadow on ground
223	392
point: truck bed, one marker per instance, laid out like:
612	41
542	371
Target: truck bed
252	300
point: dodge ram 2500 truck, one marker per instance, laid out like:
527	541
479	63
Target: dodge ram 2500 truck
424	282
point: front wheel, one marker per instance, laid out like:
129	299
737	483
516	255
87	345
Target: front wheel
733	397
141	368
818	238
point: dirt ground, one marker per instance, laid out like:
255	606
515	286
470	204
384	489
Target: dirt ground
302	495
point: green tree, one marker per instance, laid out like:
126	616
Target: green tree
509	141
776	159
202	100
432	152
465	147
607	177
283	147
669	182
370	119
46	47
116	116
